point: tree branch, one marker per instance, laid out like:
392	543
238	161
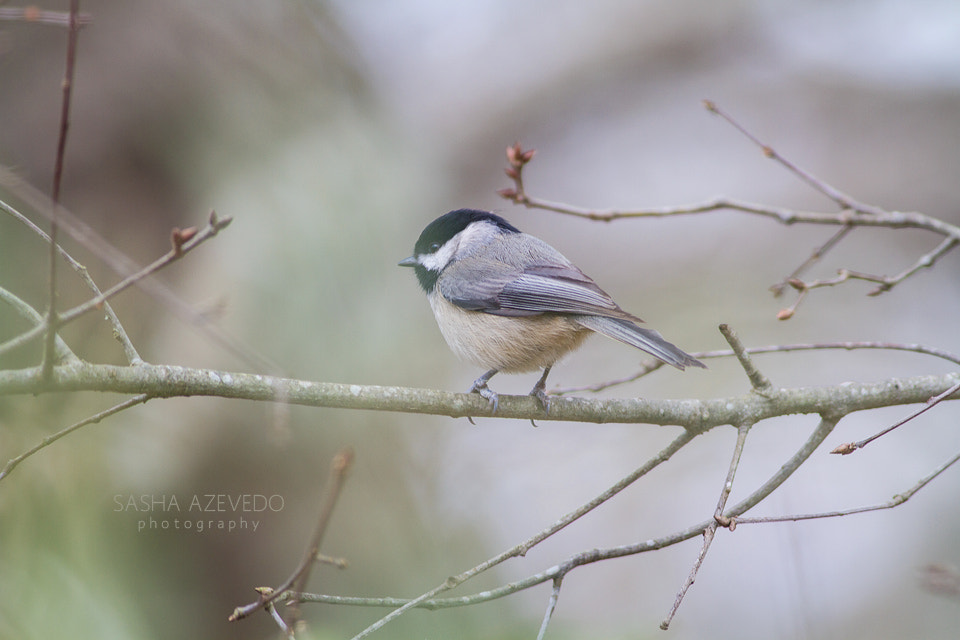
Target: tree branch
129	350
126	404
164	381
853	213
181	247
52	324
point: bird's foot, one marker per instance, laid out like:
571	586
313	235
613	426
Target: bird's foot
480	387
542	396
539	391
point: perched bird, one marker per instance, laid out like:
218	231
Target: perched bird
507	301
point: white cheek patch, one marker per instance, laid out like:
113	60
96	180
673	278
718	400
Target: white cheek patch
476	234
440	258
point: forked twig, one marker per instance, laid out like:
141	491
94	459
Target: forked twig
895	501
123	265
215	225
551	606
293	585
711	529
129	350
853	213
521	549
850	447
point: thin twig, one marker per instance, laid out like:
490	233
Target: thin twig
522	548
850	447
711	529
338	475
215	226
759	382
895	501
817	254
652	365
823	429
129	350
844	200
122	265
731	519
52	324
853	214
339	467
551	606
117	408
30	314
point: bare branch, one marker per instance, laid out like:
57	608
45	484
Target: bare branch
818	253
63	352
718	520
759	381
695	414
52	324
117	408
849	448
895	501
596	555
129	350
653	365
215	226
551	606
339	467
853	213
842	199
123	265
521	549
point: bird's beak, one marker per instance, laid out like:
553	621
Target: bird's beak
407	262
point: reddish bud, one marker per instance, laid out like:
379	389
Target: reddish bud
797	284
512	152
785	314
179	236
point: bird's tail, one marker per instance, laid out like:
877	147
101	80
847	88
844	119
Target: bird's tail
645	339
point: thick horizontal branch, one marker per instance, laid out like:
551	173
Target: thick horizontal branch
164	381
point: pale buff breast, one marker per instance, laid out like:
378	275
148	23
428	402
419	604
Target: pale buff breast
508	344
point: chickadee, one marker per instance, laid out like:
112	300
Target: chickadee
507	301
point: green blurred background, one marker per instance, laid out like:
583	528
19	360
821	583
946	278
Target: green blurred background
332	132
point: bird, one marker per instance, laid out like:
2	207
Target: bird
508	302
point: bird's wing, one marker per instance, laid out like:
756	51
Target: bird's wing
502	289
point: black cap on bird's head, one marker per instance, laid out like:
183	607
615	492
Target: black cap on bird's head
450	224
439	232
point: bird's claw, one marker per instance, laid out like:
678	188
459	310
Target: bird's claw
480	387
539	392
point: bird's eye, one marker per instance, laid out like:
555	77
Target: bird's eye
434	247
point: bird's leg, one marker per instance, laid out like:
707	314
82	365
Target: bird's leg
539	391
480	386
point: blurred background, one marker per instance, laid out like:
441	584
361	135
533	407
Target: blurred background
332	132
